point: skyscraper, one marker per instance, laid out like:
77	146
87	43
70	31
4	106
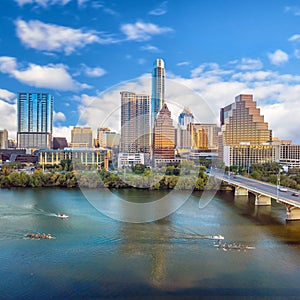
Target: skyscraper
241	122
164	135
35	120
158	88
183	135
244	134
135	123
3	139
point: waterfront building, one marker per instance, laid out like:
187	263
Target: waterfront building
131	159
158	88
81	137
245	154
35	120
3	139
164	135
135	123
59	143
244	133
86	157
242	122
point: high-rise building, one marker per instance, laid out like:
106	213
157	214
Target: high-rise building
242	122
164	135
35	120
107	138
204	136
243	127
158	88
3	139
135	123
183	135
81	137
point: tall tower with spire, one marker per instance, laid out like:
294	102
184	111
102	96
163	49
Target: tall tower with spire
158	88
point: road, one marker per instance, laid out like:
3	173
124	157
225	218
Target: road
261	188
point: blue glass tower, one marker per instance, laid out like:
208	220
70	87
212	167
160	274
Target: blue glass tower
35	120
158	89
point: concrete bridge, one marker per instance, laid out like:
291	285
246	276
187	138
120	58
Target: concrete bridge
264	193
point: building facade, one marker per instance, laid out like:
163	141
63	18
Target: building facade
86	157
107	138
135	123
244	135
164	135
3	139
81	137
204	136
183	134
59	143
158	88
35	120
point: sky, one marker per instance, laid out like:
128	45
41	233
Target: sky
84	52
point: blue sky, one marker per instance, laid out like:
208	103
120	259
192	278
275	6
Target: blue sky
78	50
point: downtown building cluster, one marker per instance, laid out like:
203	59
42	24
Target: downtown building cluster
148	134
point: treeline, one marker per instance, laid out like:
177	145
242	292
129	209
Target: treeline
102	178
273	172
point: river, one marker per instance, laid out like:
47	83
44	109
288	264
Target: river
96	257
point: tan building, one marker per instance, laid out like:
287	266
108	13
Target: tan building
81	137
107	138
164	135
135	123
86	157
244	135
241	122
3	139
204	136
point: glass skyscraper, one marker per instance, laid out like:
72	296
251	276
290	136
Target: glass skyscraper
135	133
158	88
35	120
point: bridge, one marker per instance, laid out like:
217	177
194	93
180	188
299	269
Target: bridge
264	193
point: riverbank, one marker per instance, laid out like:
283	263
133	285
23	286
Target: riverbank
105	179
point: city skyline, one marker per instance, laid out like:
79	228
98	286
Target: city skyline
76	50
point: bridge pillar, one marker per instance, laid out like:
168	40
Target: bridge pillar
240	191
262	200
292	213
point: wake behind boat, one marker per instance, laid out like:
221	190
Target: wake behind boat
62	216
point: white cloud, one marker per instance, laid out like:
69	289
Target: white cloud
150	48
93	72
58	116
42	3
8	118
63	131
278	57
160	10
49	76
183	63
294	38
50	37
141	31
293	9
249	64
7	96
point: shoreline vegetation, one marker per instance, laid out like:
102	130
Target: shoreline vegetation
185	176
181	177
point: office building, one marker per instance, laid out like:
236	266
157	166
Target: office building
164	135
81	137
106	138
242	122
244	137
135	123
204	136
183	134
35	120
3	139
158	88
